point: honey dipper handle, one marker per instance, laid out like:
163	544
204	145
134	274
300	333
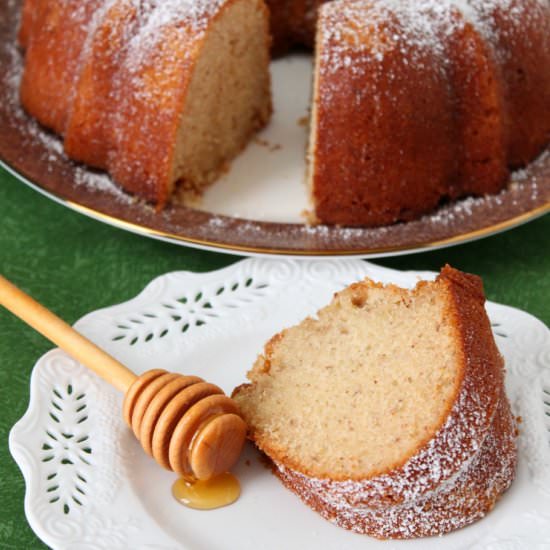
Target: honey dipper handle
65	336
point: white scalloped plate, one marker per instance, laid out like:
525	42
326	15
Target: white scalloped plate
89	486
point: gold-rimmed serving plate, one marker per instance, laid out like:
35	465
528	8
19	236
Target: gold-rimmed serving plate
256	208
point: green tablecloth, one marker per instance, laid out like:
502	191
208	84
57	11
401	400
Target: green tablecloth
74	265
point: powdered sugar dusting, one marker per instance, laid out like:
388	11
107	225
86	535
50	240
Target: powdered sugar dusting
52	145
461	500
389	25
419	31
154	16
194	14
100	181
422	25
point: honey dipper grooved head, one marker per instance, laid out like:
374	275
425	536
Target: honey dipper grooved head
188	425
217	446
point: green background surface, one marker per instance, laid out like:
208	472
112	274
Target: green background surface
75	265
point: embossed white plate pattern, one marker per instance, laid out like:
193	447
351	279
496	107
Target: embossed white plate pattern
89	485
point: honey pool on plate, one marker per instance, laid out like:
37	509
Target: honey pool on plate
208	494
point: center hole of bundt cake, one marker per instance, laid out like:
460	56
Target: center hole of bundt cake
228	98
362	387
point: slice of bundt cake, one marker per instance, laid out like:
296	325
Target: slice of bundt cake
154	92
386	413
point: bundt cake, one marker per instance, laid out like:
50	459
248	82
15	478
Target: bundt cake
153	92
414	101
386	412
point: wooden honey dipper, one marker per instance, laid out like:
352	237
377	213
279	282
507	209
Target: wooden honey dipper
186	424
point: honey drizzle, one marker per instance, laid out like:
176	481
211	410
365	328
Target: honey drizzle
207	494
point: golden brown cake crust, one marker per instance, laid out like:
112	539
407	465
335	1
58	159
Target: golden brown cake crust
519	32
54	33
379	155
479	104
453	458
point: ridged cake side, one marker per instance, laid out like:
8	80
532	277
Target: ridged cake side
153	92
418	102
